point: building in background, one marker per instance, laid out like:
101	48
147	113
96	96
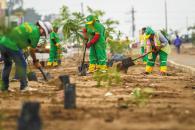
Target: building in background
3	6
12	12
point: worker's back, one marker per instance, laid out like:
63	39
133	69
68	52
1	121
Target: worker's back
21	37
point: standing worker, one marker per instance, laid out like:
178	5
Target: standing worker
54	48
157	43
95	33
143	44
177	43
11	46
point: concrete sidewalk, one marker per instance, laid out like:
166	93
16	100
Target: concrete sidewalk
184	62
184	59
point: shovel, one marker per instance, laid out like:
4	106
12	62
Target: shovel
31	74
127	62
46	76
83	67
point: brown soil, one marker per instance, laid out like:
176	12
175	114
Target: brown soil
172	106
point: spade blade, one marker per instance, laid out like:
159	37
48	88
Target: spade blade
127	62
32	76
83	70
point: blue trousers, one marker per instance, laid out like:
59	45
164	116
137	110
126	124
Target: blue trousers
21	67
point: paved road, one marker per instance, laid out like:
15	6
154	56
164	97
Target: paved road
184	59
45	56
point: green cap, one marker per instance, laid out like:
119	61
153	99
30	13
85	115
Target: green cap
90	19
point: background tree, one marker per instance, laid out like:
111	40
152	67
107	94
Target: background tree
96	13
110	26
193	34
72	23
31	15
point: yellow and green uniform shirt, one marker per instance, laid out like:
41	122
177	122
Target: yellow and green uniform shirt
159	40
98	50
142	40
54	39
21	37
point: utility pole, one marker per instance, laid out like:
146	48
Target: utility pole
133	21
187	22
166	19
82	8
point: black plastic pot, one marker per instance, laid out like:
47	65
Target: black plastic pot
29	118
70	96
64	79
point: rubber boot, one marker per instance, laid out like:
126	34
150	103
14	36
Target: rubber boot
148	70
55	64
49	63
163	70
92	68
102	68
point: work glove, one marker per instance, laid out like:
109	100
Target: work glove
157	49
89	45
84	31
58	45
154	50
37	64
93	40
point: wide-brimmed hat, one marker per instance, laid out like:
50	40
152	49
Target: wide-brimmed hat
46	26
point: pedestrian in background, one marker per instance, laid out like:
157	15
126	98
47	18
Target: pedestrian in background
177	43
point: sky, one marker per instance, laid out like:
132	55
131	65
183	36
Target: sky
181	13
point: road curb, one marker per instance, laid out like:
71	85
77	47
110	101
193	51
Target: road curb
183	68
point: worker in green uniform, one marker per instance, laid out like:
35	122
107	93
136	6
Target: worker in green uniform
54	48
21	37
142	40
95	33
159	45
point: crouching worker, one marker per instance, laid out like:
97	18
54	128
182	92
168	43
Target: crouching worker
95	32
21	37
157	43
54	53
143	44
